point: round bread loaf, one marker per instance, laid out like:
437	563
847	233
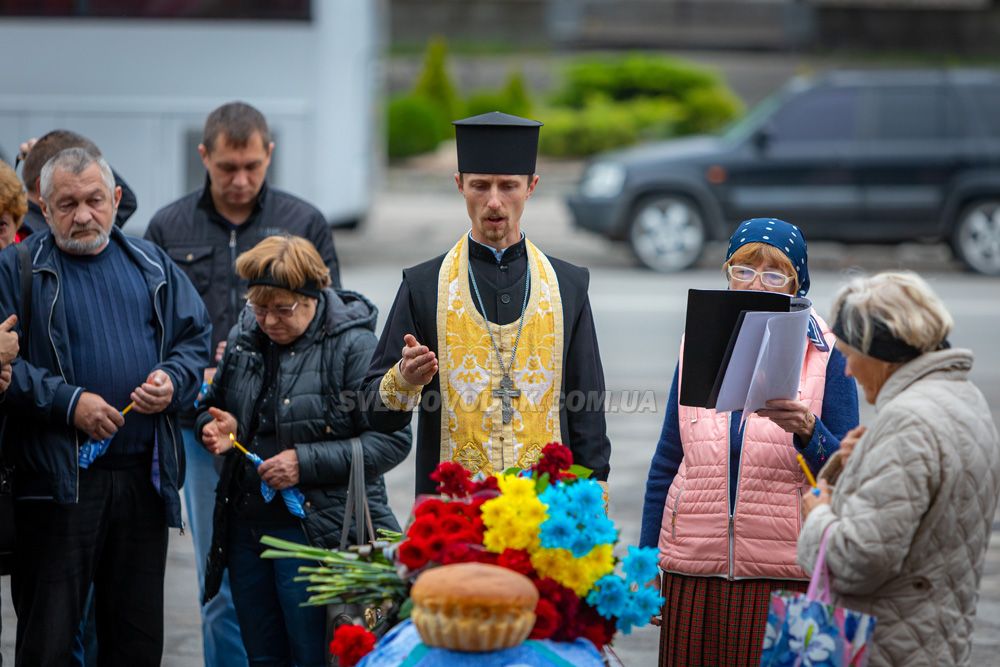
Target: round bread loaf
473	607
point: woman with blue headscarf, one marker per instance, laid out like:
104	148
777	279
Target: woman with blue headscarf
723	501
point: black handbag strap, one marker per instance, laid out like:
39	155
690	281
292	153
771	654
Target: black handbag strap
24	263
357	510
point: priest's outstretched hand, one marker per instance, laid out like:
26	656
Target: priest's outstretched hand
419	363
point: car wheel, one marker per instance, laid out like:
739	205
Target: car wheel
976	238
667	232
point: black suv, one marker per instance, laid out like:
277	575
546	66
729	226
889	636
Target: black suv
867	156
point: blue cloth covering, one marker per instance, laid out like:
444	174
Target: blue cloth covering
778	233
402	647
840	414
293	498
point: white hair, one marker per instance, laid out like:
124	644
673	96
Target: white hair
75	161
901	301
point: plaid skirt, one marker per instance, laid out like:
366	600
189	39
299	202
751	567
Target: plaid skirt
710	621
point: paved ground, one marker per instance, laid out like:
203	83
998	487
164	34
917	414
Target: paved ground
639	317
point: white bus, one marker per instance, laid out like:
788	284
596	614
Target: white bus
138	77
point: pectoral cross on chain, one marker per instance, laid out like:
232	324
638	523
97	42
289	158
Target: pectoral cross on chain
505	393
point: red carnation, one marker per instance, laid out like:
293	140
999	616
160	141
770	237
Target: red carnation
453	480
351	643
423	528
555	459
517	560
472	509
591	625
488	484
434	545
457	552
454	508
453	527
413	554
563	598
487	557
431	506
546	620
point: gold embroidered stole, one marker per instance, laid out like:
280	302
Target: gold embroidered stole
472	428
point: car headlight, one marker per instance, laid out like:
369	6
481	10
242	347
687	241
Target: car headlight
603	179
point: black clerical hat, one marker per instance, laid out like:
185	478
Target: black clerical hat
496	143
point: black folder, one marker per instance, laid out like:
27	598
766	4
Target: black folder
712	323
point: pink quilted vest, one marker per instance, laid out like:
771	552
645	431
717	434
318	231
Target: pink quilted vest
697	535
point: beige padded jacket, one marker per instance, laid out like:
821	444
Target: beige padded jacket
912	511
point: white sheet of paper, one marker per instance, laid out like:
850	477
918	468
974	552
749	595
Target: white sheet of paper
779	363
739	372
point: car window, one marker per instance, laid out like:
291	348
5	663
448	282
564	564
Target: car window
908	113
818	115
986	100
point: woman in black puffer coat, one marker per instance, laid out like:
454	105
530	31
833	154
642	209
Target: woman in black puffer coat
287	388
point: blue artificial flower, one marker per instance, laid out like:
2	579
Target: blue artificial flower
602	530
648	602
586	498
609	596
582	544
632	615
555	497
640	564
558	532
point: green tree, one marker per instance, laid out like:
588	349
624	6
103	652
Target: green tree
434	84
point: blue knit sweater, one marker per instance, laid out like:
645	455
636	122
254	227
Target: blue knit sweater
840	414
112	336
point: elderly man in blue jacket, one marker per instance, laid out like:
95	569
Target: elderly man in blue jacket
107	322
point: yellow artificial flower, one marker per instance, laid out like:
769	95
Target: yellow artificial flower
513	519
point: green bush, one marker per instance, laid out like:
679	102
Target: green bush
605	125
413	126
708	109
579	132
631	77
513	98
436	87
654	118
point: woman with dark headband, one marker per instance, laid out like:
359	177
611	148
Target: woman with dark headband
286	388
909	520
722	496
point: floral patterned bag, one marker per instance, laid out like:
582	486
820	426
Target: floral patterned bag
808	631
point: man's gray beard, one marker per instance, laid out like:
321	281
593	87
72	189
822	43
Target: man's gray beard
74	247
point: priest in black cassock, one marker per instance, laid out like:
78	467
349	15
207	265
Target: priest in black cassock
494	340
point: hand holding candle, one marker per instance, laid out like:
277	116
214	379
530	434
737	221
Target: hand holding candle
90	450
154	395
820	494
809	476
292	497
214	434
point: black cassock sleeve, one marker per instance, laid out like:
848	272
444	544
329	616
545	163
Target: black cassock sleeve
586	426
388	353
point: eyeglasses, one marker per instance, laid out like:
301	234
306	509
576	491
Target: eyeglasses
745	274
281	312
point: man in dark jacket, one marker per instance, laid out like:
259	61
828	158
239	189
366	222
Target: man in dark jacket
36	152
110	322
204	232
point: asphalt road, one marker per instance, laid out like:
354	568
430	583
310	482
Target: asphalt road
639	318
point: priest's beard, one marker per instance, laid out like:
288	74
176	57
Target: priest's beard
496	235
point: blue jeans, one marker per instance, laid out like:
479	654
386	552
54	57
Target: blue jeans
277	631
219	628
